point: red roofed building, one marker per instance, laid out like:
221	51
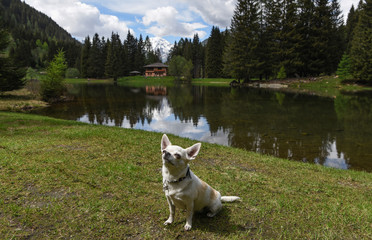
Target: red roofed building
156	70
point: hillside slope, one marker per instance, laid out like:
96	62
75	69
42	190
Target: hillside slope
36	37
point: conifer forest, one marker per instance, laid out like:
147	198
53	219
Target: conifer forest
266	40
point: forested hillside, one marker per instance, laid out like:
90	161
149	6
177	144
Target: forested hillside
36	37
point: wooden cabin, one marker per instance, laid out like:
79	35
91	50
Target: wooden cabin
156	70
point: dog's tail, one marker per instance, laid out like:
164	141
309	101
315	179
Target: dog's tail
229	198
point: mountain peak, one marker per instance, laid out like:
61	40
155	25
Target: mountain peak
163	45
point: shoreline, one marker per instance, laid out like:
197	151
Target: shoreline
26	99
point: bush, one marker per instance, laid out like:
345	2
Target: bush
281	74
52	86
72	73
180	67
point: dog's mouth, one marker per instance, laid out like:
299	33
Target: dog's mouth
167	161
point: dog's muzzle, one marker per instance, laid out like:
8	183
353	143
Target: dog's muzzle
167	157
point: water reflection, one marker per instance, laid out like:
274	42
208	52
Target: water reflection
334	133
335	159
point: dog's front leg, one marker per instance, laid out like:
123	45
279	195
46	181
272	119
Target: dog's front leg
189	214
172	210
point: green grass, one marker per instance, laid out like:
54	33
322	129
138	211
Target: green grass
88	80
21	100
328	86
141	81
212	81
63	179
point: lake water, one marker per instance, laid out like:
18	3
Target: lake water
331	132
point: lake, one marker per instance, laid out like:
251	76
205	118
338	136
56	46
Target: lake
331	132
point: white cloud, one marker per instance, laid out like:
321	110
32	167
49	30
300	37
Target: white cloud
80	19
165	21
139	7
346	5
214	12
177	18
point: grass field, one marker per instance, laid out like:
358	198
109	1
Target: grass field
68	180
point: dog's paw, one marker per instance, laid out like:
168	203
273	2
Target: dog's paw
187	227
169	221
210	214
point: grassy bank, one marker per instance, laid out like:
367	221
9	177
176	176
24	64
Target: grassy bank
328	86
20	101
212	81
63	179
141	81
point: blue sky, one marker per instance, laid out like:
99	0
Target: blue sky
169	19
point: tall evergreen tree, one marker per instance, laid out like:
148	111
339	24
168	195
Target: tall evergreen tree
186	47
361	50
320	56
289	39
306	25
214	53
241	58
197	56
85	57
351	22
270	44
337	43
10	75
130	46
140	55
96	60
116	56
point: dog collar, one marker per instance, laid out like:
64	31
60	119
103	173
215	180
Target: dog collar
182	178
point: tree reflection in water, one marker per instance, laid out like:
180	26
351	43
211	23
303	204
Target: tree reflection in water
331	132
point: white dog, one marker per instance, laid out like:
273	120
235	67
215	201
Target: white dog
183	188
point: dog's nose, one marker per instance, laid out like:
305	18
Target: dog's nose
166	154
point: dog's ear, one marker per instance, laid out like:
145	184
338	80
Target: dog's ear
193	151
165	142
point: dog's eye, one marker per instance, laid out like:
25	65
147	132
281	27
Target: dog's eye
177	156
164	151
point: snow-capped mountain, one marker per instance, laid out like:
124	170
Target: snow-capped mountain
163	45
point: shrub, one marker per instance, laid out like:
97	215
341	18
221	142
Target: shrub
180	67
281	74
52	86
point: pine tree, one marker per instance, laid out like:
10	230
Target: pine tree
85	57
344	68
197	56
361	50
320	58
269	40
289	39
214	53
352	21
10	75
306	26
186	47
115	61
337	43
241	57
130	46
140	55
96	59
52	86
